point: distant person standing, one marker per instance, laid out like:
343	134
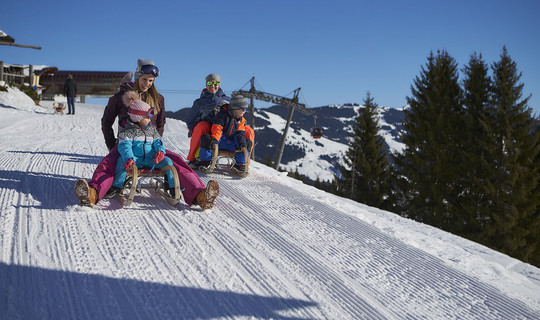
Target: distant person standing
70	91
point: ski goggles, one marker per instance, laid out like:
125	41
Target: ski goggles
209	83
149	113
237	113
149	69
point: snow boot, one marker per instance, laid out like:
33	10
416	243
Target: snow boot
171	192
206	197
195	164
113	192
239	167
86	193
204	165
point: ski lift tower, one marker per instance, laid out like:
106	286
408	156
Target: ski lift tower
291	103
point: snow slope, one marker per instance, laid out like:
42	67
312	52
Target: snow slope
272	248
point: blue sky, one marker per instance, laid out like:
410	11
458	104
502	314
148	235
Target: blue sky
335	51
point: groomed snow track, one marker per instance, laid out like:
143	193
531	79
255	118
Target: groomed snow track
272	248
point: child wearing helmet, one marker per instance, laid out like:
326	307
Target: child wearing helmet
229	132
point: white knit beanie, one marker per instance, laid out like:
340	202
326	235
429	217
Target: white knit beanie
131	99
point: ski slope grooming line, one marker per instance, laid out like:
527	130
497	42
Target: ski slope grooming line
271	248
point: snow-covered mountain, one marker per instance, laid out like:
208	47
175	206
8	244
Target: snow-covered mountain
272	247
314	158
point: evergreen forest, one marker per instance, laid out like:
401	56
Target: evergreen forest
471	162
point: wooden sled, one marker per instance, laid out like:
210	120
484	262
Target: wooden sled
225	158
135	178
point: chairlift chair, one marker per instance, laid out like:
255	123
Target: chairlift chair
316	133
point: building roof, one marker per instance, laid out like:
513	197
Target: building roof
5	38
92	83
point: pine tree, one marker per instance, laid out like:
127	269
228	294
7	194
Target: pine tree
429	167
533	238
368	176
513	224
473	206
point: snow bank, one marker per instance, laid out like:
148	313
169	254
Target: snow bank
16	99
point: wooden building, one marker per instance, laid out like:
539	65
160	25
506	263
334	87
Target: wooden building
89	83
12	73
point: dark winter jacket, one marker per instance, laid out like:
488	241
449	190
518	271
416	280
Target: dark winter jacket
226	126
70	88
202	108
116	108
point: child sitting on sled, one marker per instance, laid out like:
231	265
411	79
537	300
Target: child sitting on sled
228	132
139	142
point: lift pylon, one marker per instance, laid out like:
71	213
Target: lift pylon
291	103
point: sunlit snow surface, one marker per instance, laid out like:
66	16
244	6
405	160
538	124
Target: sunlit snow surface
272	247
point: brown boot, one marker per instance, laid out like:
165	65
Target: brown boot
86	193
206	197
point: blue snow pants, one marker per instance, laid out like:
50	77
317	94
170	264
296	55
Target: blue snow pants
205	154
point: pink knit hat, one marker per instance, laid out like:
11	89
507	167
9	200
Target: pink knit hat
138	109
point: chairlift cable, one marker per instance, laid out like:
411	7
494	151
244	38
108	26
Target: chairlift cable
259	85
180	91
245	84
303	99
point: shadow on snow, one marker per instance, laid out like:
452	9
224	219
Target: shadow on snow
37	293
72	157
48	190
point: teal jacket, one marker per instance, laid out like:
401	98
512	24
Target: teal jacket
139	142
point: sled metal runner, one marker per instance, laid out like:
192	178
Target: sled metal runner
134	183
228	156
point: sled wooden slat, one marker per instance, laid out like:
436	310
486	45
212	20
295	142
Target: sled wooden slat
226	154
136	175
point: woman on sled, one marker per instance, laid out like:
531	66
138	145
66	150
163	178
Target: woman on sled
90	192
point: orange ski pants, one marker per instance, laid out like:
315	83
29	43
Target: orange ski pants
204	127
